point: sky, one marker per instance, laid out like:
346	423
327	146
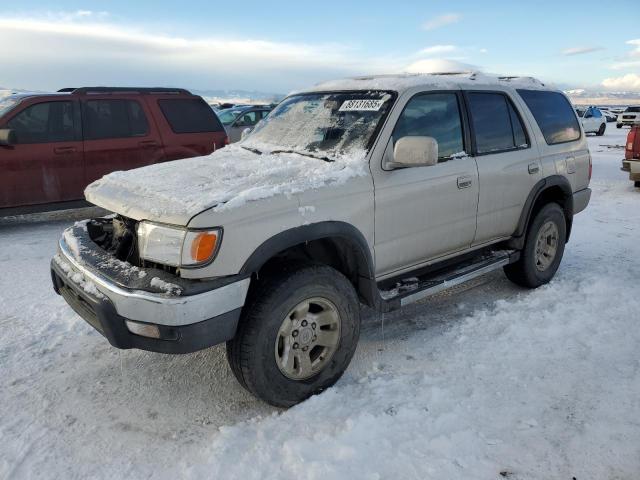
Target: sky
279	46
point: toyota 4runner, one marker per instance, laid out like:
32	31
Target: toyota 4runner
375	190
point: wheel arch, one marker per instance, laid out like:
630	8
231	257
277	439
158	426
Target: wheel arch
555	188
337	244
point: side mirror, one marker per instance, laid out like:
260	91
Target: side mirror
245	133
7	137
415	152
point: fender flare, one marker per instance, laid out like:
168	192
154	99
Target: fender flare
534	195
307	233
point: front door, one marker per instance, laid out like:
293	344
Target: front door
423	213
117	136
45	165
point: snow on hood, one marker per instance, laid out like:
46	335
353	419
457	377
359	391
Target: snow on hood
173	192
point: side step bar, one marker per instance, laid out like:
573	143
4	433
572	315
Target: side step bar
415	289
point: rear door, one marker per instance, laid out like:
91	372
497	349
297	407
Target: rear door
46	163
508	165
118	135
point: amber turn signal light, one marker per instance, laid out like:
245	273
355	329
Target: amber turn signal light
204	246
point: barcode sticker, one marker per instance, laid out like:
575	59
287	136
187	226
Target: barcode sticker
359	105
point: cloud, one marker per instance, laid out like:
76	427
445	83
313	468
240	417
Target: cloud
86	48
437	50
439	65
580	50
441	21
636	44
629	82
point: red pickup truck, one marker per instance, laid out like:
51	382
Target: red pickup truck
53	145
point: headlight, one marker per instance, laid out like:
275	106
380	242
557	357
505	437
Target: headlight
177	247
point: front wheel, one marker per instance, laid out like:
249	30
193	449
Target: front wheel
619	125
601	130
543	249
297	335
636	184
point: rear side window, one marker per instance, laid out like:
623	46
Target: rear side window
496	125
190	115
554	115
114	119
47	122
434	115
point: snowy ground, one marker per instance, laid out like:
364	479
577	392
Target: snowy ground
538	384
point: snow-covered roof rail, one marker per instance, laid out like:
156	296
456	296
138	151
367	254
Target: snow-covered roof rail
403	81
520	79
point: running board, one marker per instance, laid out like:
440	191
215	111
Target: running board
414	289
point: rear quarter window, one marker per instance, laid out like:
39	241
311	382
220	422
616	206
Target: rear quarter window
554	115
189	115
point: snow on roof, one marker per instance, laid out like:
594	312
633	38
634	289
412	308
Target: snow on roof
405	81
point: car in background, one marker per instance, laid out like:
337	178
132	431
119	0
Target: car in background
592	119
629	117
631	162
609	115
53	145
239	118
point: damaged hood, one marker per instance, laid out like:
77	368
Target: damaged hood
174	192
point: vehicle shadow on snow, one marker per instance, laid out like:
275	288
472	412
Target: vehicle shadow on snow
181	392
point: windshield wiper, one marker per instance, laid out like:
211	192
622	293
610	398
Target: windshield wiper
306	154
254	150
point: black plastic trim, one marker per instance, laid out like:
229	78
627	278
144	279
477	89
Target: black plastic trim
101	314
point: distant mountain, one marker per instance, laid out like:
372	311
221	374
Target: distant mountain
239	96
582	96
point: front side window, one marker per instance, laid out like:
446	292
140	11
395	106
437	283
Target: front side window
554	115
323	124
435	115
47	122
114	119
248	119
228	116
496	125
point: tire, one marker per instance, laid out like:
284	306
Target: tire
532	270
258	351
601	130
636	184
618	125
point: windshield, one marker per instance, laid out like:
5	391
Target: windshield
7	103
633	109
228	116
322	124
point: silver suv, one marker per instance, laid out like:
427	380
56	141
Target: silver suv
376	190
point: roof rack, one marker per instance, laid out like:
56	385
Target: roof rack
102	90
517	77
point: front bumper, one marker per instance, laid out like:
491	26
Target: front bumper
192	316
633	168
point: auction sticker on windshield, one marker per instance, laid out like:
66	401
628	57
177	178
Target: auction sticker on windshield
357	105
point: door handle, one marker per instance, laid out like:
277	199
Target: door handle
464	182
63	150
534	168
148	143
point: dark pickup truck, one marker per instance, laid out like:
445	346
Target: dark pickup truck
53	145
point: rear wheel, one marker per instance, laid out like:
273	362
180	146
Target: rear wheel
543	249
636	184
297	335
601	130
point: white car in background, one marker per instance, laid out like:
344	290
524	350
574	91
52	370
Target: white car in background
630	116
592	119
